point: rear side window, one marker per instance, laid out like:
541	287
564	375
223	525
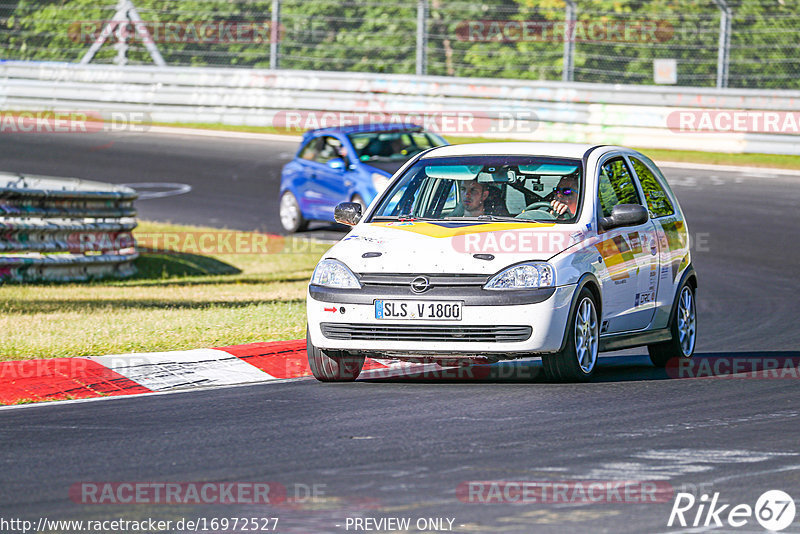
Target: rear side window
657	200
616	185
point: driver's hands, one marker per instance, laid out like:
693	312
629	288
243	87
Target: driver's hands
559	208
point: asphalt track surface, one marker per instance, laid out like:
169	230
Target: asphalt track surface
401	448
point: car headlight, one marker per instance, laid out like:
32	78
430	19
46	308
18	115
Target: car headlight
333	273
379	181
523	276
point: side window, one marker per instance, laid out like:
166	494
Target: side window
309	151
421	140
616	186
451	201
329	149
657	200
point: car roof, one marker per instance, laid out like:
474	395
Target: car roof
562	150
365	128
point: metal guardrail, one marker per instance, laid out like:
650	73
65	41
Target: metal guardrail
562	111
54	229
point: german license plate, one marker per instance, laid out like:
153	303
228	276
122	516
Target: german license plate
418	309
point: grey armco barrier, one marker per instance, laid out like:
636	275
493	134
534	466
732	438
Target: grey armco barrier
642	116
58	229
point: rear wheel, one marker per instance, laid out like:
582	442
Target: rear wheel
684	330
577	362
291	217
332	366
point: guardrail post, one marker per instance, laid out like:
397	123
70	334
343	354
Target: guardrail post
568	71
723	54
422	37
274	34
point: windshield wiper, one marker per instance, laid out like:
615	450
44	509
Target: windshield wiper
493	218
483	218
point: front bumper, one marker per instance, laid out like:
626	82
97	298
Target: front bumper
493	328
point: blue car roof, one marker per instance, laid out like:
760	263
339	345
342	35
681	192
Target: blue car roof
364	128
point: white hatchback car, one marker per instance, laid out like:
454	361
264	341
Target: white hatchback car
498	251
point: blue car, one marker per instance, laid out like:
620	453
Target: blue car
345	164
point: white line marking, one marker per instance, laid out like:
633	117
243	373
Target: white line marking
167	130
762	172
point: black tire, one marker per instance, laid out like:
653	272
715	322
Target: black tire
567	365
333	366
683	326
290	215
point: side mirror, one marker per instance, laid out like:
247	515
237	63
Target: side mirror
348	213
625	215
337	164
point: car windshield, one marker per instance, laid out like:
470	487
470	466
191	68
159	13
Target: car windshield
393	145
486	188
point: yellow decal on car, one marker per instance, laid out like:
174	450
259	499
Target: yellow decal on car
617	257
452	229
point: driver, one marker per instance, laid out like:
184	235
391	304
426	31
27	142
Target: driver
565	204
474	195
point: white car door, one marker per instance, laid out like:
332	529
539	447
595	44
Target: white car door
629	253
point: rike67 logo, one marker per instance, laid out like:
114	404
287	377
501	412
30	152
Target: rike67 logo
774	510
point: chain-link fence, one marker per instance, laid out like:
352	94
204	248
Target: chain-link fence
706	43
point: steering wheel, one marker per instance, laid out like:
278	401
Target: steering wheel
537	206
536	212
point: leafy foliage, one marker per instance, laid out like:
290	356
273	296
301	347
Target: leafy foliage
615	41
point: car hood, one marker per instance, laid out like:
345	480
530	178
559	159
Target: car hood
450	247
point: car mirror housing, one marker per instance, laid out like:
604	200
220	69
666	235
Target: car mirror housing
625	215
348	213
337	164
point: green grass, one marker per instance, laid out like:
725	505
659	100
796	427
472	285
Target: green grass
177	301
689	156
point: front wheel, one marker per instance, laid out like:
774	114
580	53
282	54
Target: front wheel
332	366
683	328
577	362
291	217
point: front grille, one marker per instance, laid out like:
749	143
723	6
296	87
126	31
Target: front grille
436	281
422	333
